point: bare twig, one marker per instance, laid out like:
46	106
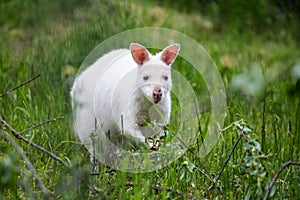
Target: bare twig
22	84
42	124
224	165
160	188
27	162
283	166
199	125
19	136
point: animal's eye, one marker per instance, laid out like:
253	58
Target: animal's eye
145	77
165	77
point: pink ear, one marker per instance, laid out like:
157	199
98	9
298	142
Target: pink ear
169	53
139	53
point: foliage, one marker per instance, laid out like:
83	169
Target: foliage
253	164
9	171
53	37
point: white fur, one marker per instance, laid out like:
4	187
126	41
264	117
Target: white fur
112	96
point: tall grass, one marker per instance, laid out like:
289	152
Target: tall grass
53	38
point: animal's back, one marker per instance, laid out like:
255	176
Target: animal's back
83	92
113	92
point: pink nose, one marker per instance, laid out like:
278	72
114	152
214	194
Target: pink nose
157	94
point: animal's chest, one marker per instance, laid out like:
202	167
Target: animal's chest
149	113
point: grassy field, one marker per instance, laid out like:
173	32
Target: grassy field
259	60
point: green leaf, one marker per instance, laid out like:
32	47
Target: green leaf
257	145
193	182
247	130
248	195
255	172
182	174
273	189
191	166
188	177
249	163
247	146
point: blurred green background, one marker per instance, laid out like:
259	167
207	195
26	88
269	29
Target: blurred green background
255	45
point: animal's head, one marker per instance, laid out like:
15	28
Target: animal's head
154	72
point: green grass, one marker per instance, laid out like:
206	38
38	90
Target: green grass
53	38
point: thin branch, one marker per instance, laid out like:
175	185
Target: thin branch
160	188
199	125
18	136
22	84
27	162
97	173
224	165
283	166
42	124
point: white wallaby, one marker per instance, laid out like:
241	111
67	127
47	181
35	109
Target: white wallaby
124	92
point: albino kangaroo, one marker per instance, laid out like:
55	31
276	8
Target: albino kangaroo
124	92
